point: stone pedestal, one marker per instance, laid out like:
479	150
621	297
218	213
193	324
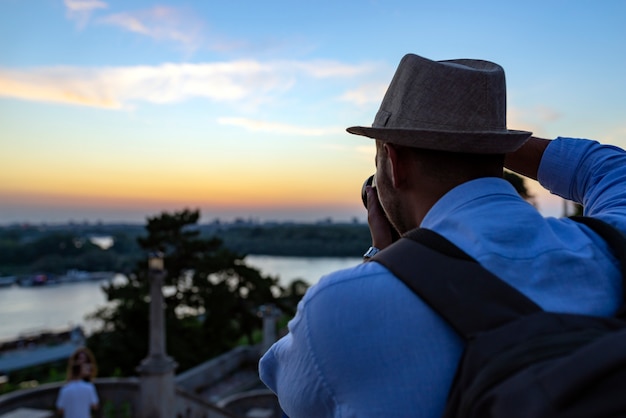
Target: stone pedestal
270	314
156	372
157	389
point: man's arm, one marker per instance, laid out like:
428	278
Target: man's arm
526	159
581	170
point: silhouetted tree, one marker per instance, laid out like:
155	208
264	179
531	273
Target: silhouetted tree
520	185
211	299
292	295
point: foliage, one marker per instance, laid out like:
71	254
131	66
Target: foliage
54	250
211	299
110	410
33	376
29	250
519	184
303	240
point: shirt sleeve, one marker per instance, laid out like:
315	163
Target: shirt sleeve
289	368
589	173
337	354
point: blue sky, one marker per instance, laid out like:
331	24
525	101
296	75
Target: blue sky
117	110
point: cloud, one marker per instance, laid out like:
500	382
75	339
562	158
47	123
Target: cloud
162	24
81	10
120	87
366	94
537	120
325	69
277	128
546	114
60	85
616	136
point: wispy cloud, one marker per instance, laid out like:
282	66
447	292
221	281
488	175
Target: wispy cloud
59	85
80	11
162	24
325	69
547	114
536	120
366	94
616	136
277	128
120	87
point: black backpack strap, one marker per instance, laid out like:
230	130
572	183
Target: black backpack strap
614	237
617	242
469	297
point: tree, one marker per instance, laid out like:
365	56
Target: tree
211	299
519	184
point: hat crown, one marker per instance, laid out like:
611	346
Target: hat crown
454	105
461	95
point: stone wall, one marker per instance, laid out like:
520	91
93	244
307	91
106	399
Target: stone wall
199	378
118	398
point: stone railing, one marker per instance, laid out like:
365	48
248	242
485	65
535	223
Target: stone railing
119	397
189	405
259	403
211	372
198	390
116	396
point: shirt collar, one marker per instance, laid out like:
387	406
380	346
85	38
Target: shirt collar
466	197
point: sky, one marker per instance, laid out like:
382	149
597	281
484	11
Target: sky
115	111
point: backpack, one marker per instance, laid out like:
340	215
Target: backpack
519	361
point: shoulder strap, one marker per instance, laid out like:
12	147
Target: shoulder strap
469	297
617	242
614	237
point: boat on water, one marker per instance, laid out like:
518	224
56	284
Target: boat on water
75	275
71	276
38	279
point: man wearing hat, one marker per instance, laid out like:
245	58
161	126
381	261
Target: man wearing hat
362	344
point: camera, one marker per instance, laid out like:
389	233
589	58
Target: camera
368	182
371	181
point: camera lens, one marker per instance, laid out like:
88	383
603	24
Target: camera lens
368	182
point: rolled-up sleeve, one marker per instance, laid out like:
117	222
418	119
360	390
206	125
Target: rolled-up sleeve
589	173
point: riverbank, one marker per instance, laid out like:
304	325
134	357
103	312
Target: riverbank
32	309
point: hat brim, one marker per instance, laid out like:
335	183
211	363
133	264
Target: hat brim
482	142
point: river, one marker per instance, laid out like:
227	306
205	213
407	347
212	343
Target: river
32	309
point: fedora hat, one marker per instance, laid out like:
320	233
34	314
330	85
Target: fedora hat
454	105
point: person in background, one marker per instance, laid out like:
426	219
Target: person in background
77	398
85	358
362	344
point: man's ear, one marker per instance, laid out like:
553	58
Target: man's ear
398	169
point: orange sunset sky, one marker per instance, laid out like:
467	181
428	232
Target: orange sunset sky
114	111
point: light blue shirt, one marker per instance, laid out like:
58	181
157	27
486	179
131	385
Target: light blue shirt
363	345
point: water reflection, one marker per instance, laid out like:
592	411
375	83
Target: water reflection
28	309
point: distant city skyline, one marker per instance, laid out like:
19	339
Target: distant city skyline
116	111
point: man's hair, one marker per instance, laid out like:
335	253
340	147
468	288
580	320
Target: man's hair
453	167
456	166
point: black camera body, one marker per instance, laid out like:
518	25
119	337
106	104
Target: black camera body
371	182
368	182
